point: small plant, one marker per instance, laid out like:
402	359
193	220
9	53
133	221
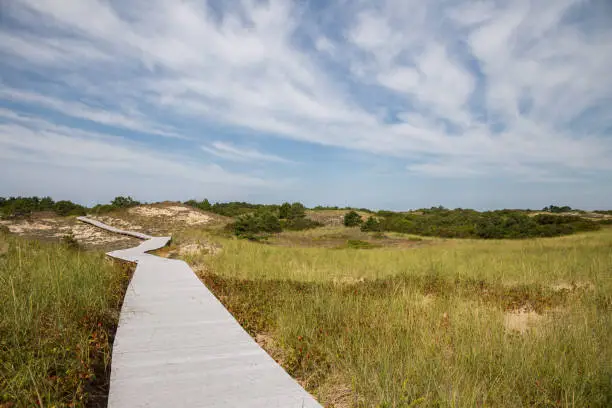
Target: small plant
352	219
4	230
70	242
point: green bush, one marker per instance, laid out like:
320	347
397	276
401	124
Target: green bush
283	211
250	225
70	242
299	224
65	208
371	225
296	211
352	219
231	209
124	202
202	205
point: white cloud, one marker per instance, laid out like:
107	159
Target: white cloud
241	154
83	111
41	145
499	87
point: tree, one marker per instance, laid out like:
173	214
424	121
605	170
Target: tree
205	205
296	211
283	211
65	207
352	219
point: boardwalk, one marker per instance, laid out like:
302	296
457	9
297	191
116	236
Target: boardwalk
177	346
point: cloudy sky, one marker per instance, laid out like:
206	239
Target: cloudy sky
386	104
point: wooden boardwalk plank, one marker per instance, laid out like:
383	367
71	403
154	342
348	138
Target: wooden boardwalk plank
177	345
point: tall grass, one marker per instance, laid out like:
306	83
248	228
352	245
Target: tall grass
548	260
58	310
427	326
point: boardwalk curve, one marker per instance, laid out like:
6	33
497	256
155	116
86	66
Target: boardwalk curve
177	345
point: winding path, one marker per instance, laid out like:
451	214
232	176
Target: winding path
177	345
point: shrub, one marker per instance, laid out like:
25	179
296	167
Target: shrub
249	225
371	225
70	242
66	207
283	211
300	224
202	205
124	202
296	211
556	209
352	219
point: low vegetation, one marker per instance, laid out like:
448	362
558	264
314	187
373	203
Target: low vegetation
460	223
370	310
232	209
352	219
118	203
501	323
24	206
262	222
58	312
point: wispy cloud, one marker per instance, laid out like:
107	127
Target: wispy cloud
78	109
241	154
37	142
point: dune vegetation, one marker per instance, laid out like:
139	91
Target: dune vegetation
58	312
502	323
391	312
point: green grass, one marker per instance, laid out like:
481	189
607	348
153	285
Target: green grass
427	326
58	311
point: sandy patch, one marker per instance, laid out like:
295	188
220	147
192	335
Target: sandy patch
26	227
570	287
347	280
177	213
521	320
194	249
91	235
267	342
190	249
118	223
336	393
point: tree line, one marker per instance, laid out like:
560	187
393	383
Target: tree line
14	207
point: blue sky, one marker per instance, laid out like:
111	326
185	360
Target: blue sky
385	104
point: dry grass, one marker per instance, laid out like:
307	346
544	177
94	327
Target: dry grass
452	323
